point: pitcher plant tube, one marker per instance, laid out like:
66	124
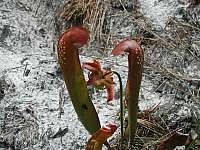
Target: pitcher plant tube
68	44
135	69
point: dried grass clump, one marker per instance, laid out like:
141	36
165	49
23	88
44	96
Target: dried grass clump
91	12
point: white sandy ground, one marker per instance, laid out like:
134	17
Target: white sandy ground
158	11
26	48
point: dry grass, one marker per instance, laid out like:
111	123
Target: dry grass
93	12
95	15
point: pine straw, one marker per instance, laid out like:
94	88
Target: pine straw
180	44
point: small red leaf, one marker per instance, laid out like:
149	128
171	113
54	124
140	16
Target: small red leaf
100	136
100	77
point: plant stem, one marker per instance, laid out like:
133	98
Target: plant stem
121	107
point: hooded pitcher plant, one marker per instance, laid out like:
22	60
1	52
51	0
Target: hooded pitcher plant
135	69
69	61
